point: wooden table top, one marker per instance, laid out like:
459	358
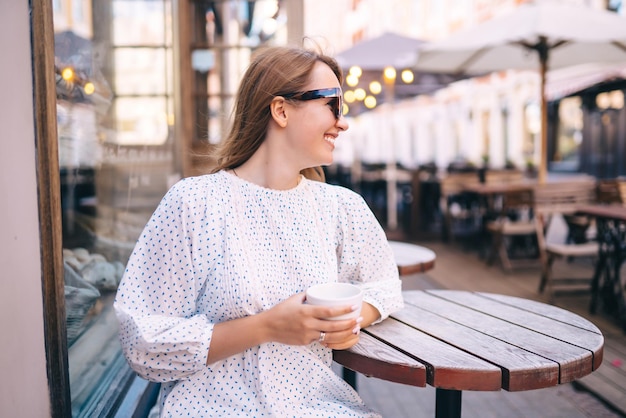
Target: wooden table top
412	258
460	340
617	212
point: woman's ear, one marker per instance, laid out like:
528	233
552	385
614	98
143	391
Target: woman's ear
278	109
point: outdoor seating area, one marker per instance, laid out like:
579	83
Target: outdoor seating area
573	233
600	394
513	222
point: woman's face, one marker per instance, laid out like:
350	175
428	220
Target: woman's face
312	126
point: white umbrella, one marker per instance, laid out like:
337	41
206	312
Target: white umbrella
533	36
397	51
375	54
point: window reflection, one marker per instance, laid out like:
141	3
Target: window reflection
141	71
570	134
114	75
141	121
137	23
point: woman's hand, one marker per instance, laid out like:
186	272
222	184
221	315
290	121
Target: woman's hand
296	323
369	314
290	322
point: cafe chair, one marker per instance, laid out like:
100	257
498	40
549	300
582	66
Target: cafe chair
513	230
564	197
460	210
552	238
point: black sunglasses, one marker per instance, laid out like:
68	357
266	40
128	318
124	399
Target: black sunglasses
332	93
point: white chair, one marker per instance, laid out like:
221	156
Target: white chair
552	238
513	223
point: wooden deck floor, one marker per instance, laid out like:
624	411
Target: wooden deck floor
601	394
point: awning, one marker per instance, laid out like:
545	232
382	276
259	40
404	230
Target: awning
568	81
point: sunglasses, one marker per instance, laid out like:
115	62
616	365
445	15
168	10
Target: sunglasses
332	93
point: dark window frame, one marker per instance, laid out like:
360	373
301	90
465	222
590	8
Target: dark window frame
49	202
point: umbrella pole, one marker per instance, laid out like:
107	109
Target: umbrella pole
543	165
542	49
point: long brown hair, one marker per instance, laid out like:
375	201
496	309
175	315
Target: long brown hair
273	71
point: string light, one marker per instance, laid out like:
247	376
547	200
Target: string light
68	74
376	87
89	88
407	76
389	73
70	83
352	80
356	71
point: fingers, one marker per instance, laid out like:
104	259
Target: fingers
341	342
345	334
344	345
331	312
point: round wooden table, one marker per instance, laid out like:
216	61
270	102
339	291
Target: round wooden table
458	340
412	258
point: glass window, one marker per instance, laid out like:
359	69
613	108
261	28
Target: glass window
569	134
140	22
142	71
114	71
141	121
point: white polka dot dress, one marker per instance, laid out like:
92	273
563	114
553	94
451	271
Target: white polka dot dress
219	248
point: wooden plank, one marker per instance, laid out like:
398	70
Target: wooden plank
553	322
521	369
544	309
574	362
373	358
447	367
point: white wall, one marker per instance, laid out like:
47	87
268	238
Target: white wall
24	388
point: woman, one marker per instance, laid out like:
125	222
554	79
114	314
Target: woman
212	301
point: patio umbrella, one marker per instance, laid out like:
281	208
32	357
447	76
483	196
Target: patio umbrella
533	36
398	51
377	53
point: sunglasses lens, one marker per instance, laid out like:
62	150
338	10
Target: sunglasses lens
332	93
337	107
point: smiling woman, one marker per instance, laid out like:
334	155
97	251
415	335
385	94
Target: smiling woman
213	294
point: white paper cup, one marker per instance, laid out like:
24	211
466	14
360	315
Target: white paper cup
336	294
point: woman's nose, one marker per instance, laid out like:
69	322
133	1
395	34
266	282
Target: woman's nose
342	123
